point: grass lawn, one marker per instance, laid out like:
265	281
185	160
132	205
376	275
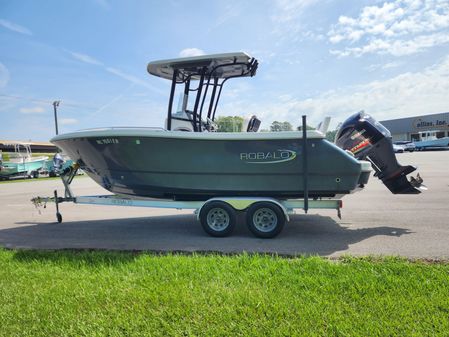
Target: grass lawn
66	293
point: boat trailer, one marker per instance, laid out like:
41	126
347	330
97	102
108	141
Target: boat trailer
265	217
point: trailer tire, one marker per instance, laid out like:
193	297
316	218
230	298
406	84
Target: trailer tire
218	218
265	219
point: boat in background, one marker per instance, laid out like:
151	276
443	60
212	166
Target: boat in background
59	162
429	139
21	163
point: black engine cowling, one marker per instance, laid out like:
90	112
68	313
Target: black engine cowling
369	140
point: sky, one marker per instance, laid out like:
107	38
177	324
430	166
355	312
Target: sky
317	57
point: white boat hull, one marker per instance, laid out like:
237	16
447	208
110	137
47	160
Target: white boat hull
440	142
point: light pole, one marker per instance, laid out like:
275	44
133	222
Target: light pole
55	105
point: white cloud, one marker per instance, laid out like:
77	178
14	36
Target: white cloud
407	94
67	121
287	23
388	65
15	27
7	104
229	10
289	10
84	58
400	27
404	95
128	77
189	52
134	80
397	47
32	110
110	103
4	76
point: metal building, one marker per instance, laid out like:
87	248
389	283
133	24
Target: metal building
410	128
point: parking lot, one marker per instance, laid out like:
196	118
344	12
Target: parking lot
374	221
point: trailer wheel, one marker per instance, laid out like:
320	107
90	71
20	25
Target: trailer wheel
265	219
218	218
58	217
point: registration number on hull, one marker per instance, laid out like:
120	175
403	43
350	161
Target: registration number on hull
105	141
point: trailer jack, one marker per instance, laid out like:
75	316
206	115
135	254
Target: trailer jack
67	177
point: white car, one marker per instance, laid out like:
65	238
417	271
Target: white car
398	148
407	145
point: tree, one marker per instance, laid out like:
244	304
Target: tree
280	126
330	135
275	126
229	123
286	126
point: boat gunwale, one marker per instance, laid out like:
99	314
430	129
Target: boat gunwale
162	133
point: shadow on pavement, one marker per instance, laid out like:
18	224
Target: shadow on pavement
304	234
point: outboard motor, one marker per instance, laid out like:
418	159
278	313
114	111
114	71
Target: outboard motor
58	161
369	140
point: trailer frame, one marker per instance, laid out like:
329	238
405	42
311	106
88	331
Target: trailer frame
238	204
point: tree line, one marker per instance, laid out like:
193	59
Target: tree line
236	124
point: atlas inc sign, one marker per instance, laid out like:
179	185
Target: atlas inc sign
431	123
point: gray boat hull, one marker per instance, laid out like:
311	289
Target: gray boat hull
197	167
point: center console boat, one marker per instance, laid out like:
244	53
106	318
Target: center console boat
191	160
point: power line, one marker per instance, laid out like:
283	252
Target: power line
48	102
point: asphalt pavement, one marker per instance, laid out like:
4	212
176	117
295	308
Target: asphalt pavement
374	222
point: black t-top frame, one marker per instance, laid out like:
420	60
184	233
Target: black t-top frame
211	72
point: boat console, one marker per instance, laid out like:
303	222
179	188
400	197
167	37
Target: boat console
197	113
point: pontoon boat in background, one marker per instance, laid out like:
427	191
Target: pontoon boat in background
190	160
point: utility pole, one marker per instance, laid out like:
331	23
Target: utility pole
55	105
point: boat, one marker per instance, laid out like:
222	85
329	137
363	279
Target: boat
190	159
21	162
430	139
59	162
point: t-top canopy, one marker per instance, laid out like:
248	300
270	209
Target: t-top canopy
216	65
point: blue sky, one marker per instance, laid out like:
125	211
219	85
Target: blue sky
320	58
